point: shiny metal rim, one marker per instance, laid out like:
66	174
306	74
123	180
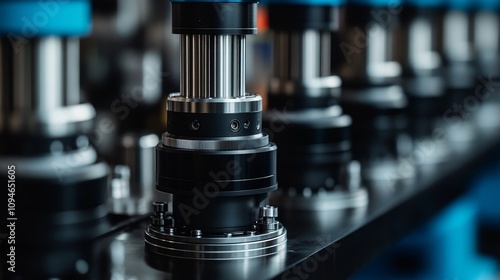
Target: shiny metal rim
58	122
246	245
53	164
324	201
227	143
248	104
383	97
313	87
69	114
333	112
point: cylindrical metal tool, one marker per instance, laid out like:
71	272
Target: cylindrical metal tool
60	183
303	117
214	158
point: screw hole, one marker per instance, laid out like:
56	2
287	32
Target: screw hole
246	124
195	125
235	125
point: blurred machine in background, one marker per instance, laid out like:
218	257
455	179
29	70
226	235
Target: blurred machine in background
57	203
316	170
385	115
372	92
128	63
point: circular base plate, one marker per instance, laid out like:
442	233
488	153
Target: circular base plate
230	246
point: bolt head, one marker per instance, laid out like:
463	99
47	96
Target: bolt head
268	211
159	207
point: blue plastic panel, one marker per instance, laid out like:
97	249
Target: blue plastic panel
492	5
29	19
462	4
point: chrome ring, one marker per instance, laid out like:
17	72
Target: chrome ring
313	87
240	245
248	104
227	143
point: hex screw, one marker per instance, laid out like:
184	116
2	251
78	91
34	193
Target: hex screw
267	218
196	232
159	219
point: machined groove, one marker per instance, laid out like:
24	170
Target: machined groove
212	66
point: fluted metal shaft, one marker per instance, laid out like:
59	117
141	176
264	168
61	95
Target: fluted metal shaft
38	77
212	66
40	88
302	55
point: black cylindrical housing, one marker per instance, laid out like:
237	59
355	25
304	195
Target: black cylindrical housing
69	207
216	191
378	119
35	144
312	151
302	17
217	214
301	101
214	18
203	125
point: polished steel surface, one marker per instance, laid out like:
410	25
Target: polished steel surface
226	143
301	63
40	90
58	163
373	60
487	42
380	97
418	44
138	153
458	36
212	66
245	104
298	55
132	186
231	246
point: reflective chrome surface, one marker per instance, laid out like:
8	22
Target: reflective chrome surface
418	43
132	188
487	42
301	63
245	104
458	36
40	90
212	66
230	246
371	61
226	143
58	164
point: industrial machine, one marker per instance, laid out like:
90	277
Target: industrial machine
304	118
214	158
57	185
372	92
373	153
127	64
